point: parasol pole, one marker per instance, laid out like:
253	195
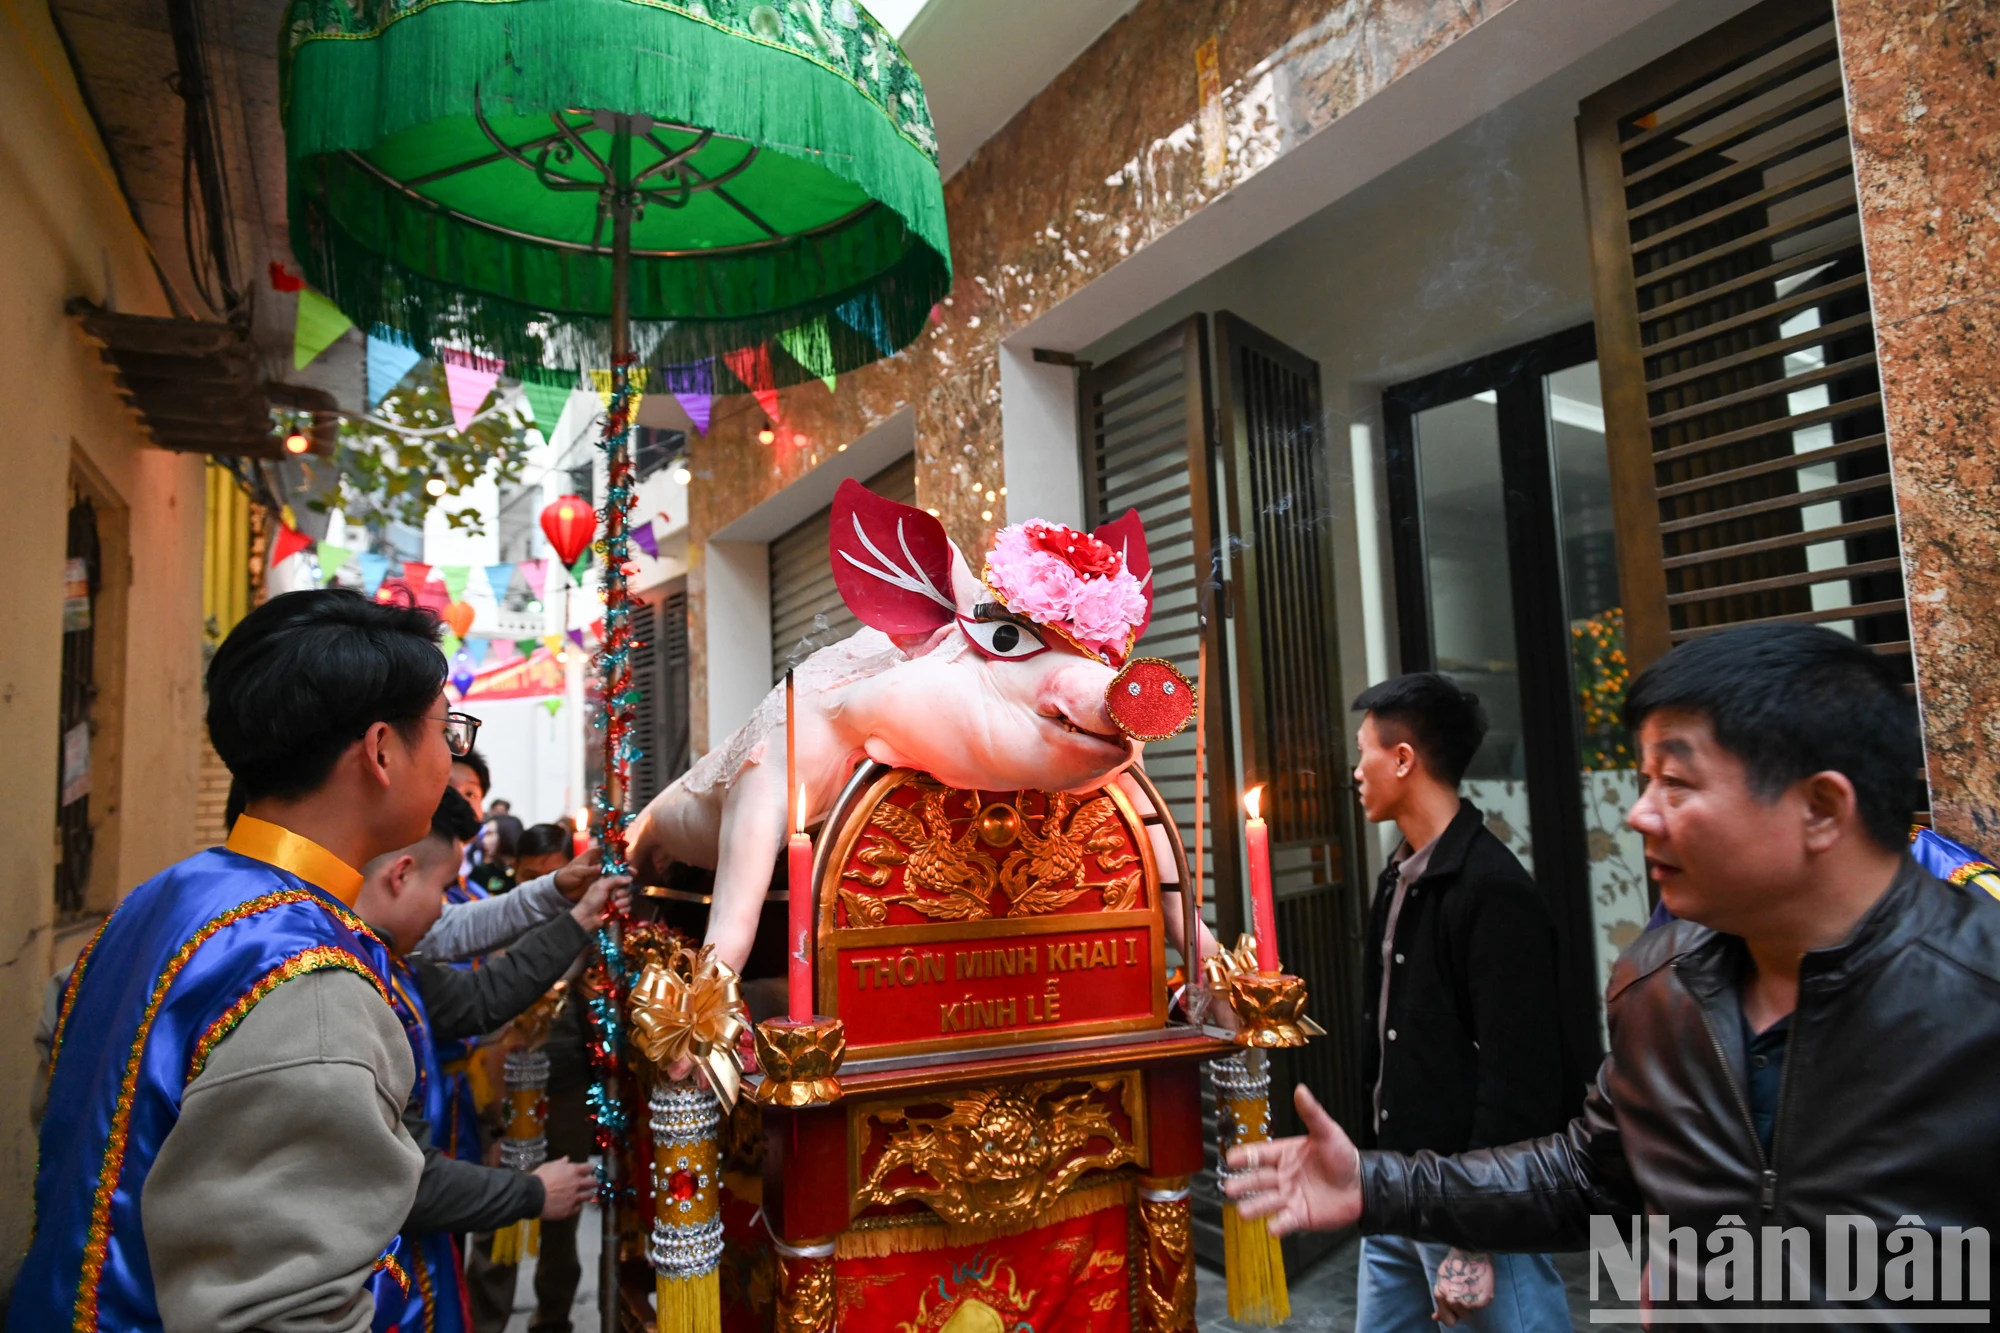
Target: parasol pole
619	198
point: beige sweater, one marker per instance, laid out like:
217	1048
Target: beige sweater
289	1169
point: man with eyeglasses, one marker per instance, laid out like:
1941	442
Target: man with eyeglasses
224	1145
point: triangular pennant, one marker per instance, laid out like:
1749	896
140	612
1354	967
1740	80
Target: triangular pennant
546	402
469	380
331	558
700	409
552	642
553	705
449	644
455	577
374	568
863	314
693	387
288	543
643	538
581	567
526	647
768	400
389	359
500	578
319	323
536	572
576	637
812	347
416	576
476	649
752	365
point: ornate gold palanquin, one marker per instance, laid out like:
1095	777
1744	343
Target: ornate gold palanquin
1017	1119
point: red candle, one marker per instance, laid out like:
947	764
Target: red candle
799	858
1263	915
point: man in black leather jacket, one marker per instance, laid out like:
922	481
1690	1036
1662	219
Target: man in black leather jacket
1804	1069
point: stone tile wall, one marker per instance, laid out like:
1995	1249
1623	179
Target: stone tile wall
1923	86
1106	159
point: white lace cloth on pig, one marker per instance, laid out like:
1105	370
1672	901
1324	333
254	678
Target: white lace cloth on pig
862	654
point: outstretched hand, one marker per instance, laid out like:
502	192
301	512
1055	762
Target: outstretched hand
574	878
1311	1183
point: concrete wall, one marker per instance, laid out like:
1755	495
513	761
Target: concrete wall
65	232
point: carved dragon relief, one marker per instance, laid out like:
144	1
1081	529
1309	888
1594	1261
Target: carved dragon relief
999	1156
949	877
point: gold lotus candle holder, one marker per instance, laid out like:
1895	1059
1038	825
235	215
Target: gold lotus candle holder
1270	1006
800	1061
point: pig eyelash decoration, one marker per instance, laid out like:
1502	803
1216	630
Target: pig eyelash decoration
893	565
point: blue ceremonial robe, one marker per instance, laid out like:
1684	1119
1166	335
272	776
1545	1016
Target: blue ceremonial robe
1953	862
170	974
436	1300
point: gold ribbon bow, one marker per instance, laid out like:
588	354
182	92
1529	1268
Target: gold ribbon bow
689	1005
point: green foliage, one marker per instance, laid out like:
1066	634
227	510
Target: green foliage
381	473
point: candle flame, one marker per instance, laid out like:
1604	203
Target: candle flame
799	811
1253	801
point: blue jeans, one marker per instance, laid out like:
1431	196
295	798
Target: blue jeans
1397	1275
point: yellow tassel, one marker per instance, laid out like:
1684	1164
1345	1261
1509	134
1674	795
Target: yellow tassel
688	1304
1255	1266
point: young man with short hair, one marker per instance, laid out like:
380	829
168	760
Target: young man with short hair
1815	1040
224	1145
401	898
1462	1035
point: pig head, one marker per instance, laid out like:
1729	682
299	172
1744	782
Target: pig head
944	680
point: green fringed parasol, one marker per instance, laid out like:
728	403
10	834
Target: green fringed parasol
468	171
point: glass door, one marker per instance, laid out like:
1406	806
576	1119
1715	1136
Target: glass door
1500	514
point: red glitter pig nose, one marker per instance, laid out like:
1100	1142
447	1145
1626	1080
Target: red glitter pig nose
1150	699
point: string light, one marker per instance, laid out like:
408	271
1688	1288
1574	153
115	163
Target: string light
297	443
436	487
767	436
681	476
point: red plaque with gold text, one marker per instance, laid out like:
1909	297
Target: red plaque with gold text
953	920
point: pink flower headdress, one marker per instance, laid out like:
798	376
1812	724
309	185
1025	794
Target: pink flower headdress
1095	590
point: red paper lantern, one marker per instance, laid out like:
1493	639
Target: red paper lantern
569	523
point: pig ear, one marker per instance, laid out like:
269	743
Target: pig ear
1126	535
892	563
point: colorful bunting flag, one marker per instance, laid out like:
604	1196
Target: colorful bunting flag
643	538
863	314
469	380
812	347
476	649
752	365
499	578
455	577
389	359
554	705
637	381
319	324
547	401
374	568
288	543
581	567
536	572
331	558
526	647
693	387
552	642
416	576
450	644
576	637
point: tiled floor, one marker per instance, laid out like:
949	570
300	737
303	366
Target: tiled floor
1322	1297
